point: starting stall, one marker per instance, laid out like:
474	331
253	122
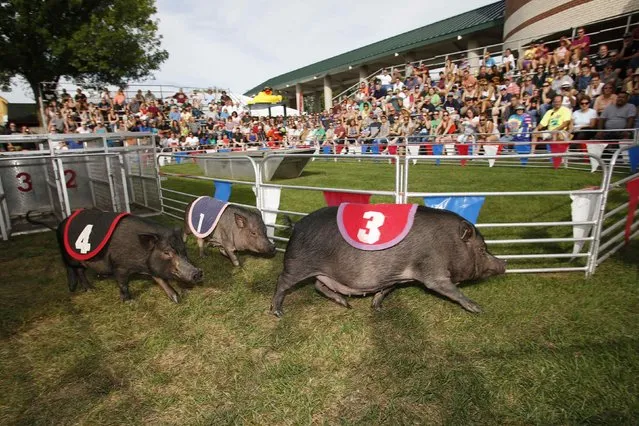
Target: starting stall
110	172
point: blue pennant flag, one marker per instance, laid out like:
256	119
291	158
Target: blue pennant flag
222	190
524	149
633	153
438	149
466	207
179	156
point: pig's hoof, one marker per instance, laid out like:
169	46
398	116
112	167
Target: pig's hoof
175	298
471	306
277	312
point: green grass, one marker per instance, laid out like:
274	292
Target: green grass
549	348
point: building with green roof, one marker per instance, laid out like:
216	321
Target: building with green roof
479	27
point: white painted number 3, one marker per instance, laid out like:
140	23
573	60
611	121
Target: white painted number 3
82	243
371	234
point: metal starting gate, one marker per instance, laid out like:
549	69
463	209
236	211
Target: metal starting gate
114	172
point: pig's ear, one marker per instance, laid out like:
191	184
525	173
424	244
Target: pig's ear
148	241
466	231
240	220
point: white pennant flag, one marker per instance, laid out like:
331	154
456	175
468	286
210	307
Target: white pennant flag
595	149
491	150
450	148
270	201
584	208
413	150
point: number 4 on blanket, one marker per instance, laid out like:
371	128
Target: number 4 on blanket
88	231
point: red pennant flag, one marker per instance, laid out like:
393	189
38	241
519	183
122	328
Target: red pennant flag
632	186
462	149
335	198
558	148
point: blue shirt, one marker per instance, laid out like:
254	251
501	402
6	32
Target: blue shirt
520	127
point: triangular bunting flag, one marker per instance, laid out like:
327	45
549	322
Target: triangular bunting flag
450	148
462	149
413	150
558	148
595	149
222	190
522	149
633	154
632	186
335	198
438	149
491	150
583	208
466	207
270	201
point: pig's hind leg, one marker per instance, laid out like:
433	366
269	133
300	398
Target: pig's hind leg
284	283
82	275
335	297
447	288
379	297
72	278
122	278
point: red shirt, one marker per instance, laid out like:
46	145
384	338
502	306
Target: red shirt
584	39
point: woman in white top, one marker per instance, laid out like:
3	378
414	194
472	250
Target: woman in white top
509	60
191	141
595	87
584	118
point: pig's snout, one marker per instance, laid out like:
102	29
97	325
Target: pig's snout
197	275
501	265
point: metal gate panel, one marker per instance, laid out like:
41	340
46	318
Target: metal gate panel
25	185
77	181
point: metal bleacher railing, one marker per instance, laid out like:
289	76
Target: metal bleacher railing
437	63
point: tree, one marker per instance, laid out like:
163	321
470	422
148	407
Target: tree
88	41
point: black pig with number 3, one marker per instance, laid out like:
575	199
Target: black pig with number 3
440	250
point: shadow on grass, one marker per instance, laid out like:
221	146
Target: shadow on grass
85	377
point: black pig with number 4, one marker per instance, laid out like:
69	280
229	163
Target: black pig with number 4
121	245
440	250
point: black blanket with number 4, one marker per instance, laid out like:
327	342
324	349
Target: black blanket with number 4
86	232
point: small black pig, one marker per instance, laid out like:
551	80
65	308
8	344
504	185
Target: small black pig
136	246
238	229
440	250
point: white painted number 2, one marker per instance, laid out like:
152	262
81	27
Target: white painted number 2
82	243
371	234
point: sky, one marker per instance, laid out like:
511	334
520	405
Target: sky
240	44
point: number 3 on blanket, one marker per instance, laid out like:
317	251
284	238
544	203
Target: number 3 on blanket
375	220
82	243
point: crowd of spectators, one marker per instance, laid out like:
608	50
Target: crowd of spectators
561	92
